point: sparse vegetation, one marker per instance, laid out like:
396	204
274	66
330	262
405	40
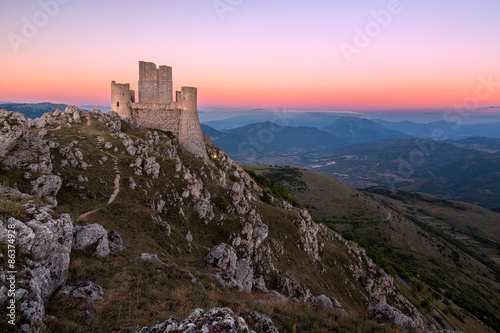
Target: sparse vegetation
274	188
220	202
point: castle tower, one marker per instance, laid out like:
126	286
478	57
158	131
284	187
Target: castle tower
156	109
121	97
190	135
155	84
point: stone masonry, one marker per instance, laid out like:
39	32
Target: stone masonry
157	109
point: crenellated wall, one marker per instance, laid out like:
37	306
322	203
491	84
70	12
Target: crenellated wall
156	109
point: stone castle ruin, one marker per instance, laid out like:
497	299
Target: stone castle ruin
157	109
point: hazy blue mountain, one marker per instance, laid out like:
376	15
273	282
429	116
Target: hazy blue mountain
443	130
212	132
315	119
33	110
357	130
238	121
268	138
282	118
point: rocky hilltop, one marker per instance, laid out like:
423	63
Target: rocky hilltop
118	228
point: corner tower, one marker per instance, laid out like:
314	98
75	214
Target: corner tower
121	98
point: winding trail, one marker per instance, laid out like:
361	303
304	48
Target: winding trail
116	181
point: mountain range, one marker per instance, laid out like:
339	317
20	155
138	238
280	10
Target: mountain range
33	110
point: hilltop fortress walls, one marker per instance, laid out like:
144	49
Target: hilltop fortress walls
156	109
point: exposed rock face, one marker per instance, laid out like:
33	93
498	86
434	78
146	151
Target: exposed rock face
48	241
229	271
308	230
13	126
84	291
223	257
90	234
214	320
377	284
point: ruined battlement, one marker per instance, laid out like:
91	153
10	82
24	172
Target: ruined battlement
156	108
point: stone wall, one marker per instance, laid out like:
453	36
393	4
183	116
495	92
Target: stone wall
160	116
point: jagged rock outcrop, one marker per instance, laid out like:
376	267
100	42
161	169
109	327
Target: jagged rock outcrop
47	241
30	154
214	320
376	283
13	126
223	257
229	271
85	236
308	231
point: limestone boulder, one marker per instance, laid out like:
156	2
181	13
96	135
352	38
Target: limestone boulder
13	126
386	312
113	121
88	292
46	185
151	167
276	296
148	256
115	242
322	302
259	322
74	112
85	236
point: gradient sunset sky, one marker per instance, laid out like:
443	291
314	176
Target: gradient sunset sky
429	54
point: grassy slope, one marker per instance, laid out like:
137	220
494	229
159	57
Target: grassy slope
141	293
323	195
439	263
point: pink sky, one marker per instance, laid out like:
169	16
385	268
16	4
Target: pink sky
284	54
